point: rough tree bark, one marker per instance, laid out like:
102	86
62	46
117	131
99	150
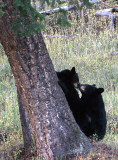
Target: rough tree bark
55	131
27	138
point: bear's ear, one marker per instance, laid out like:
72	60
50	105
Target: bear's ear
73	70
100	90
94	85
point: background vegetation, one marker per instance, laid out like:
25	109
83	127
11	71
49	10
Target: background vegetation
92	48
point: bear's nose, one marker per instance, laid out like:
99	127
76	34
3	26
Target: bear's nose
76	85
82	87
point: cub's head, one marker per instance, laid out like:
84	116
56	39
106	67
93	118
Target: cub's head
69	76
90	90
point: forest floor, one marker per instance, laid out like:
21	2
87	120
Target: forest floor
100	152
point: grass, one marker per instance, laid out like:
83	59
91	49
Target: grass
95	57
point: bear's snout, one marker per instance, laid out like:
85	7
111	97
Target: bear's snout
82	87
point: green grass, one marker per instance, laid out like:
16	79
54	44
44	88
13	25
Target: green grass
9	113
95	57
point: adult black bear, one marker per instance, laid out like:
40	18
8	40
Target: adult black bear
92	116
68	80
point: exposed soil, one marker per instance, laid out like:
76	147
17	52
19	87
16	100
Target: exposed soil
103	152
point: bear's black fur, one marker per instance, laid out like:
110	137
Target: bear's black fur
89	111
92	116
68	80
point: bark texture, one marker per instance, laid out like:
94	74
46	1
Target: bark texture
55	131
27	138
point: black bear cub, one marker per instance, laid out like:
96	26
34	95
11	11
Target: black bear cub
68	80
88	111
92	116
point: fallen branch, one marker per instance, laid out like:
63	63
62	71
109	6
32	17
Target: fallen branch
107	12
111	13
66	8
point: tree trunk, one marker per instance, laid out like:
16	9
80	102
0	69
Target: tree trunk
27	138
54	129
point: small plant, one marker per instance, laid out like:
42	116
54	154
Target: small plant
74	129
